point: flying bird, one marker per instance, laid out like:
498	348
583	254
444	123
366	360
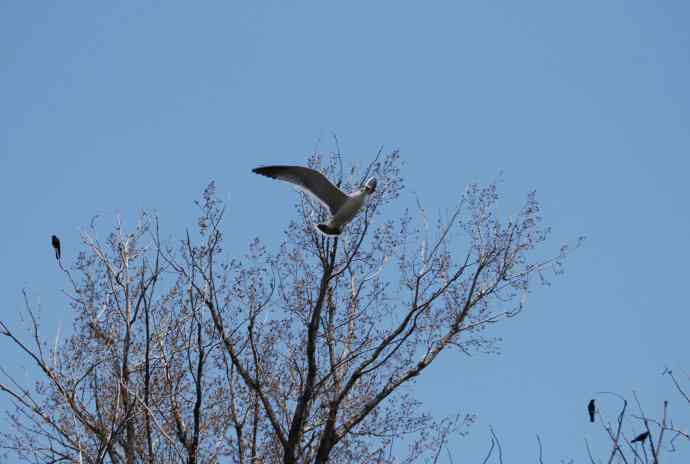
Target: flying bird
343	207
591	408
56	245
641	437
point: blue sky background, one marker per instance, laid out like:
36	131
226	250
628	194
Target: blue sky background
107	109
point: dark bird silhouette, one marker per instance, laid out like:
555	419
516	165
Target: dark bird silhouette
56	244
641	437
591	408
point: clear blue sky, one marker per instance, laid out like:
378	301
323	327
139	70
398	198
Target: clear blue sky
107	109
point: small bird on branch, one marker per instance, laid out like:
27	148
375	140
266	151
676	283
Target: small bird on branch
591	409
641	437
56	245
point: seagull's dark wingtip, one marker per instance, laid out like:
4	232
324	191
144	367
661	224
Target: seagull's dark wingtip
268	171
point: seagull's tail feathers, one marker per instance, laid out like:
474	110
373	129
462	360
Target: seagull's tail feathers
328	230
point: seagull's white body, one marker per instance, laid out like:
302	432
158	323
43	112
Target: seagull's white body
343	207
348	210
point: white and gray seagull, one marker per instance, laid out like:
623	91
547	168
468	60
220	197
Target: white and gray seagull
343	207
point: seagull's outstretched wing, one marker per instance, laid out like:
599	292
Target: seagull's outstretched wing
313	182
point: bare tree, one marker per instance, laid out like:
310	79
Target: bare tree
650	438
180	353
648	441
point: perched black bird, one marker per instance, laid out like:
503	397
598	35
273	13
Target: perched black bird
591	408
56	244
641	437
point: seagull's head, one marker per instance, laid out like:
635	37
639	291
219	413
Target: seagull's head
370	186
